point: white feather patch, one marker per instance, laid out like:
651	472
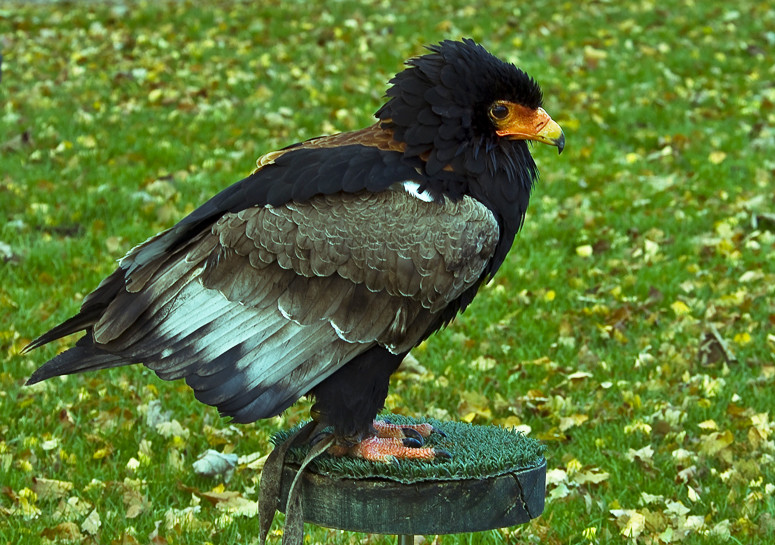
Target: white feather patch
413	188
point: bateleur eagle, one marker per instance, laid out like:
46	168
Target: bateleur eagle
321	270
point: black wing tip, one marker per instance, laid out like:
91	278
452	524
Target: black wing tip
75	360
34	379
37	343
44	372
44	339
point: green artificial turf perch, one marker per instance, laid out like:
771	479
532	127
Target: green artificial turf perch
478	452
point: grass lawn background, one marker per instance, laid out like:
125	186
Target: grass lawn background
632	328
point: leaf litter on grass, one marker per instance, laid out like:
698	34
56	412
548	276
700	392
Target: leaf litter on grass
631	328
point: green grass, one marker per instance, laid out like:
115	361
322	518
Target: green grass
117	119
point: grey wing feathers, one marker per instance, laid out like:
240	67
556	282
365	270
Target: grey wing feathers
389	241
272	300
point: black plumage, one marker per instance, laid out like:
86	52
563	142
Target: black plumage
318	273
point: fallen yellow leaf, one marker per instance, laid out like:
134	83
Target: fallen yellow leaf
717	157
742	338
49	489
584	251
631	522
713	443
567	422
592	476
680	308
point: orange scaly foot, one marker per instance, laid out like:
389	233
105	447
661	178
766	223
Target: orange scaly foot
388	449
393	442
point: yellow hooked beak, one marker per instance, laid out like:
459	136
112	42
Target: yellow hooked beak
524	123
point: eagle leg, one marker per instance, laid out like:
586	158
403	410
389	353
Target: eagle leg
350	399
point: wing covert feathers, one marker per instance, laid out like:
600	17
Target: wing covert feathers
390	241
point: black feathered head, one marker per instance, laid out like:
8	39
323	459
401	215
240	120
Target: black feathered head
463	116
458	96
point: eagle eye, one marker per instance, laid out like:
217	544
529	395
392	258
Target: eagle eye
499	111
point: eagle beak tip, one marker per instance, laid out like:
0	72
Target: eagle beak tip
560	143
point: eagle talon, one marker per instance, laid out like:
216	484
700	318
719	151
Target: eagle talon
413	434
412	442
439	432
442	454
